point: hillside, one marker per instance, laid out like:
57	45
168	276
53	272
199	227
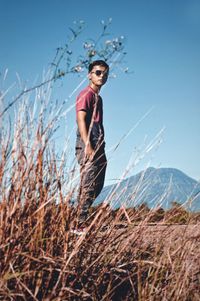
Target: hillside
155	187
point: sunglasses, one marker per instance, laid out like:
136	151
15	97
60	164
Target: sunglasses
99	72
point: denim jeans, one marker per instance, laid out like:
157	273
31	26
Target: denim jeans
92	174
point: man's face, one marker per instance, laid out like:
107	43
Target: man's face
98	75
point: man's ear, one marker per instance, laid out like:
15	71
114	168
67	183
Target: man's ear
89	76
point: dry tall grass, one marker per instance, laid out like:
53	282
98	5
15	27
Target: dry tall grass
122	256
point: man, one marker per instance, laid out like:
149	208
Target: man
90	145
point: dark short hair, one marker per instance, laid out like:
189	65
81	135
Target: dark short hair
98	63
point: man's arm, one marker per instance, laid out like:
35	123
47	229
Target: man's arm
81	120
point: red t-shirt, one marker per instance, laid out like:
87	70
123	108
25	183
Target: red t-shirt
86	102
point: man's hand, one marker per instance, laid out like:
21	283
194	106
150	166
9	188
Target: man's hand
89	151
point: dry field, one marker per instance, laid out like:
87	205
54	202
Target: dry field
135	254
41	259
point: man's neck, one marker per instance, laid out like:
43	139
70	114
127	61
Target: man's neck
95	88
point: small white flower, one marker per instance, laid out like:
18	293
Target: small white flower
78	68
87	45
91	53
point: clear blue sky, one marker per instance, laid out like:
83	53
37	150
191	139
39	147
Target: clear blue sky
163	46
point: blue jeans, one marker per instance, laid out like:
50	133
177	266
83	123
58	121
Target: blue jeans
92	175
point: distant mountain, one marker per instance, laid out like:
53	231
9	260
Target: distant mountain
155	187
